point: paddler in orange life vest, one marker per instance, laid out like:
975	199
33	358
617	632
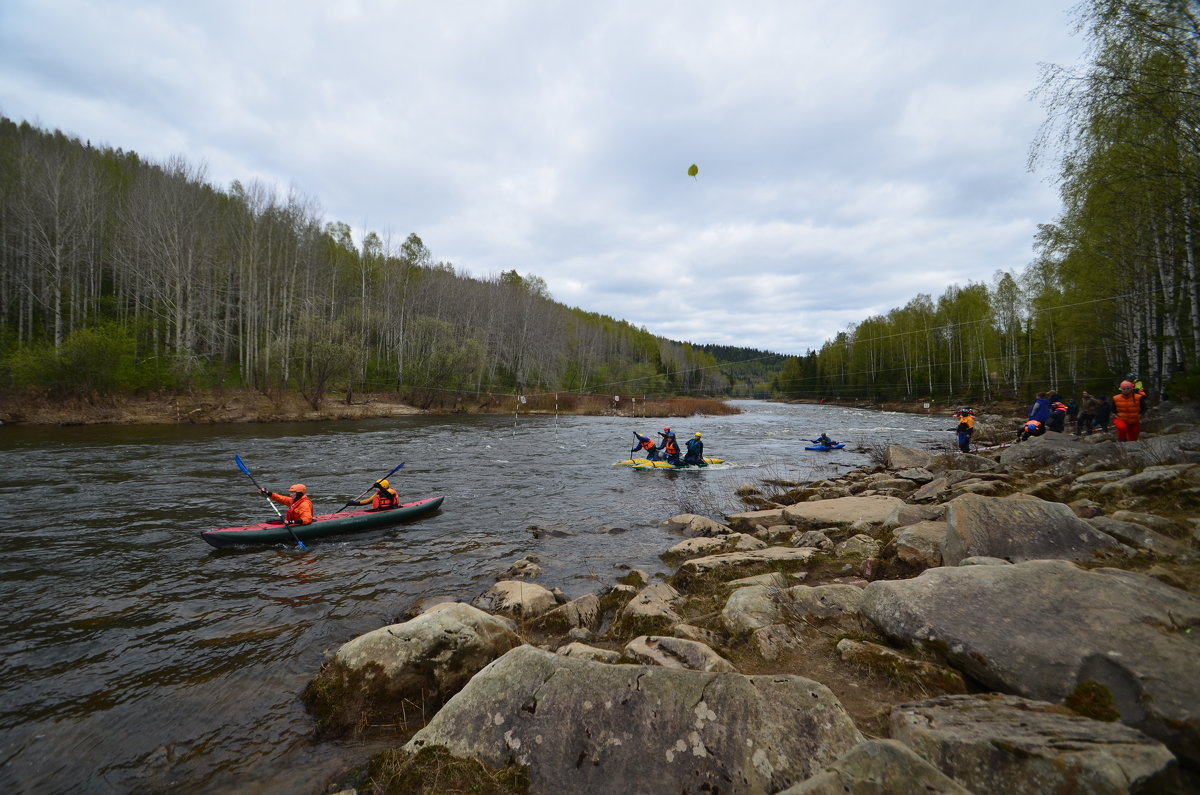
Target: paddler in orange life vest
669	446
645	443
384	497
1030	428
1129	404
300	506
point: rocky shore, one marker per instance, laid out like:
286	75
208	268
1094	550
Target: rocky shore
1026	619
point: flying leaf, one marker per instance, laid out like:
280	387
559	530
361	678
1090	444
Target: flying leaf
693	171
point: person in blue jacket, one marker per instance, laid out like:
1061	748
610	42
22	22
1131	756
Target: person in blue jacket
647	444
823	439
695	451
1040	410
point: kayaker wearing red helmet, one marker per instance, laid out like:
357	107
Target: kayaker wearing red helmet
300	505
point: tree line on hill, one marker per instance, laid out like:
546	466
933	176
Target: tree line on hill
1113	286
118	274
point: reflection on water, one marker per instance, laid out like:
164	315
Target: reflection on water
135	657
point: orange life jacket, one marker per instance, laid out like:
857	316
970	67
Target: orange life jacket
646	443
389	499
671	447
299	511
1129	407
1033	425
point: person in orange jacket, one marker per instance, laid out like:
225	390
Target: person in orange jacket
384	497
1029	429
300	505
1129	405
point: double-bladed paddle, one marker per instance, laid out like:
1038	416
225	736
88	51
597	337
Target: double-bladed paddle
359	497
242	467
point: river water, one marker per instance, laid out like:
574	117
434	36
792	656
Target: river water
134	657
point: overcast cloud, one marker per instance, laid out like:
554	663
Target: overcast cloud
851	154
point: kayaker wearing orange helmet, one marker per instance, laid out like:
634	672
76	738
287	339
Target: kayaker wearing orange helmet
1128	403
300	505
384	497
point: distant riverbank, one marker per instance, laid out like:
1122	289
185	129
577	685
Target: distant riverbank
244	406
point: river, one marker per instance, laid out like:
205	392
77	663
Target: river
134	657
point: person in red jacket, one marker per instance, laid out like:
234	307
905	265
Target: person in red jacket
1128	403
300	505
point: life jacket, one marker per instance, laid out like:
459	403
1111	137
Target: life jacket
966	424
671	447
388	499
299	511
646	443
1032	425
1058	407
1129	408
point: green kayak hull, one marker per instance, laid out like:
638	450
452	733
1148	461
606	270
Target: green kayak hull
332	524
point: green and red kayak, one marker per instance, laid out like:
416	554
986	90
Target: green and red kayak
331	524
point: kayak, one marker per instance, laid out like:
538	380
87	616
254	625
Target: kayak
837	446
330	524
646	464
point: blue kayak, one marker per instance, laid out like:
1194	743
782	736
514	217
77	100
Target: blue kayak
837	446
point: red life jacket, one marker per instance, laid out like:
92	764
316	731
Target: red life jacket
388	499
296	513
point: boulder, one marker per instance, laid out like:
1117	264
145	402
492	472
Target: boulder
1019	529
652	608
580	726
673	652
731	565
516	599
691	524
424	660
877	767
581	651
918	546
1042	629
900	457
850	512
1138	536
947	462
749	521
813	538
582	612
906	514
933	490
999	743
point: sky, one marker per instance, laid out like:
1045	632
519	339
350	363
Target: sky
851	154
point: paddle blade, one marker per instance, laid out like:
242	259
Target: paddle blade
241	466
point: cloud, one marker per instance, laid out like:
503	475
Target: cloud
851	155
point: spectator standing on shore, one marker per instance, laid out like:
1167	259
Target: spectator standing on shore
1088	407
1103	413
1128	403
1058	413
1040	410
965	429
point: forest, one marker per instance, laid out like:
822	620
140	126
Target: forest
119	275
1112	287
124	276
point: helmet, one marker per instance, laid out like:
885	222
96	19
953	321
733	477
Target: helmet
667	428
697	434
383	484
1126	385
300	487
1130	376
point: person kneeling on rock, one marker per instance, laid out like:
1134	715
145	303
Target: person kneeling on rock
1030	428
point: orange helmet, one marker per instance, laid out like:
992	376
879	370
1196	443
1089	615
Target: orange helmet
300	487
